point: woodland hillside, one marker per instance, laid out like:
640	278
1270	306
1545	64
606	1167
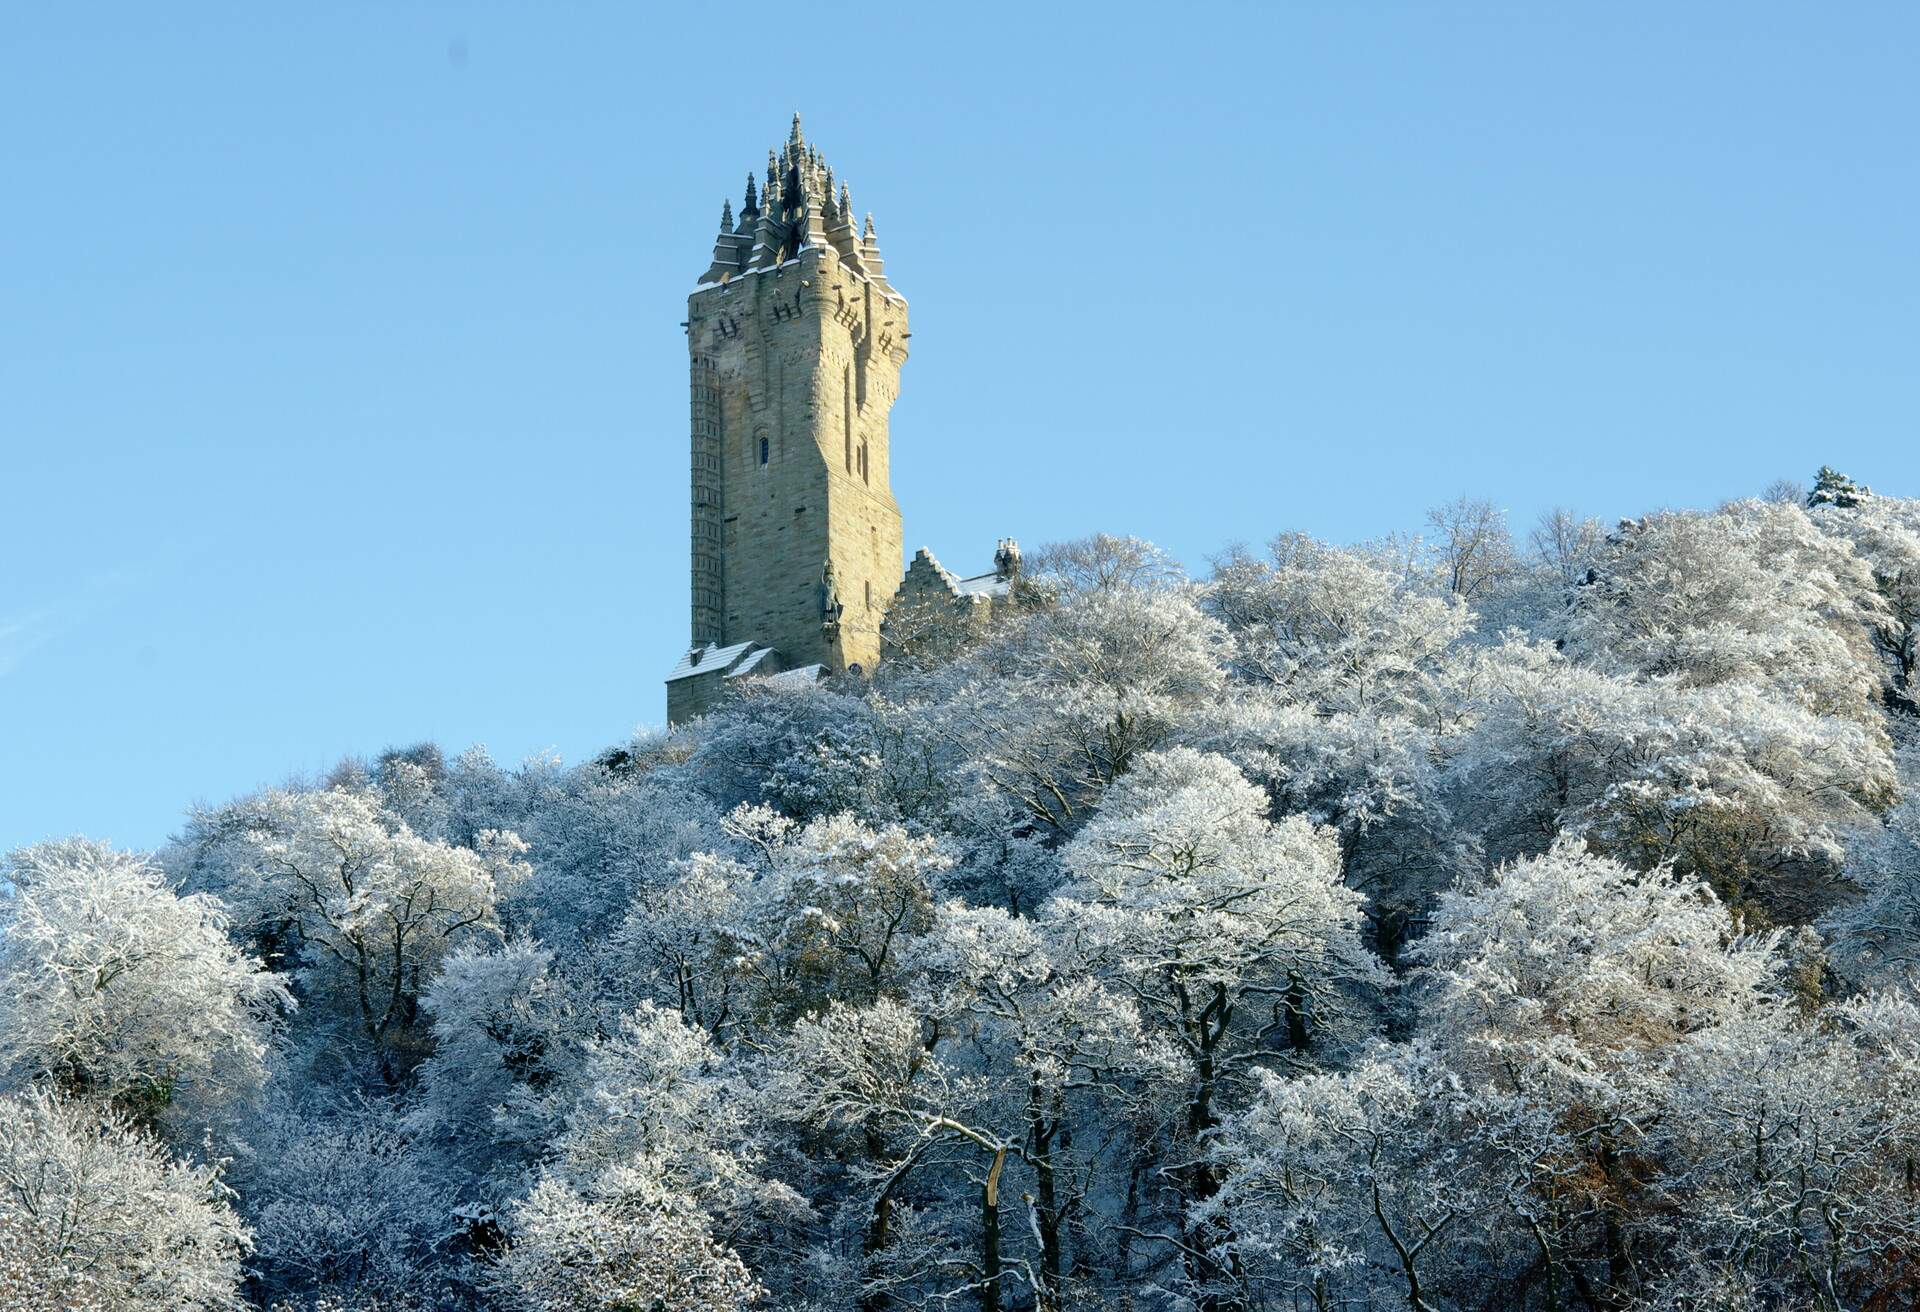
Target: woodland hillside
1466	920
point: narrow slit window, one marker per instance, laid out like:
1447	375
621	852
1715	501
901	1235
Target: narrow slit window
763	450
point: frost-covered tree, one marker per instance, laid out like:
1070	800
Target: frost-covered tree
1753	592
1100	563
1066	702
1559	992
365	908
507	1048
1062	1045
1833	488
624	1244
1876	937
95	1215
1729	781
825	910
1354	1185
656	1158
1786	1154
344	1199
1335	631
1885	534
1471	546
1232	932
1566	546
114	986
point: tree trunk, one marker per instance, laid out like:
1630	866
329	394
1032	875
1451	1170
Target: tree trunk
990	1235
1040	1133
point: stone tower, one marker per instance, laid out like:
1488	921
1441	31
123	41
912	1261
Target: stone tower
796	341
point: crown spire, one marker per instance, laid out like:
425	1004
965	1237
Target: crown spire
800	204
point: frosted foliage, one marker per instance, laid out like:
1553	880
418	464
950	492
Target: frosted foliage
1877	937
112	984
599	840
374	907
1440	923
658	1091
1336	630
1567	956
1753	592
1354	1180
1181	878
344	1198
1884	533
94	1215
1083	689
505	1047
830	907
627	1244
1726	779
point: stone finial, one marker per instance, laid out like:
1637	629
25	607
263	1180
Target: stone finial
795	136
752	203
726	216
870	254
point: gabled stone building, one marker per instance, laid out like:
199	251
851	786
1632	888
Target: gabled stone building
795	341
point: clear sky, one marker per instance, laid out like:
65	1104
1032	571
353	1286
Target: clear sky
343	393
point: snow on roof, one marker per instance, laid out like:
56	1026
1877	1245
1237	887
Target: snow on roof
750	664
804	677
983	585
707	659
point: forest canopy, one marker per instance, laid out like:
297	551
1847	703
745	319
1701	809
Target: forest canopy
1462	920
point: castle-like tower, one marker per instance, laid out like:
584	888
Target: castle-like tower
796	341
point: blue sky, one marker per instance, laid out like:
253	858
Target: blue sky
342	389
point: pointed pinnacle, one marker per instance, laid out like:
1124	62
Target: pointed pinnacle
869	231
726	216
752	202
795	136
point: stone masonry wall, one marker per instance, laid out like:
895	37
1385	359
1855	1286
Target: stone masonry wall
805	358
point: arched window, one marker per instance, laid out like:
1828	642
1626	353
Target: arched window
763	449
